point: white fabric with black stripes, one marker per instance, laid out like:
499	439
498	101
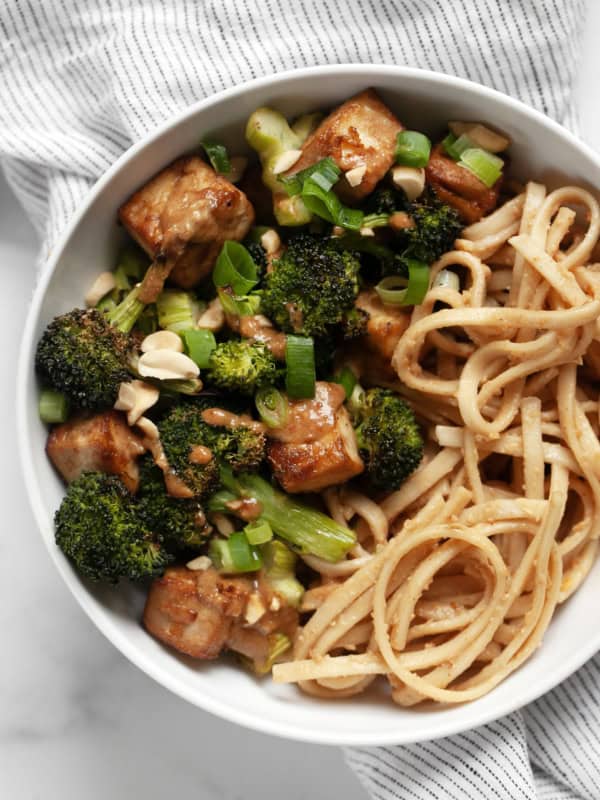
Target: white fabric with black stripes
83	79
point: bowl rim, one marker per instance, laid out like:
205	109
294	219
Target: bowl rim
438	727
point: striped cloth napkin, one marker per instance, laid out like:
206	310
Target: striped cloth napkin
83	79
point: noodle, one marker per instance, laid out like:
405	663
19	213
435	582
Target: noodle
456	575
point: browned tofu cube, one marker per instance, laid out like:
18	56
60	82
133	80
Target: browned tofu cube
313	465
361	132
184	214
459	187
103	442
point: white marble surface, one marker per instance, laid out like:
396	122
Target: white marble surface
76	719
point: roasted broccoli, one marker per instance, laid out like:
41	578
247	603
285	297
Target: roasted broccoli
436	226
388	436
241	366
311	287
87	354
98	528
181	523
259	255
183	431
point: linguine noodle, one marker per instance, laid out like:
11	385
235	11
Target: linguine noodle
456	576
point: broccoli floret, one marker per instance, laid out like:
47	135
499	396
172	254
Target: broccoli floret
259	255
241	366
87	354
388	436
311	286
181	523
98	529
354	323
386	200
184	429
436	226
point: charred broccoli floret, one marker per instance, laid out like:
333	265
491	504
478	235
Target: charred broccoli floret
388	436
311	286
259	255
181	523
241	366
436	226
354	323
386	200
87	354
97	527
184	430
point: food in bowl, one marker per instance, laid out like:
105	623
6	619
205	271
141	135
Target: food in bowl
342	413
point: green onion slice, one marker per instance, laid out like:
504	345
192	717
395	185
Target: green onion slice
412	149
396	290
217	155
219	500
328	206
53	407
300	373
456	145
235	554
272	406
347	379
199	344
486	166
245	306
235	268
325	174
376	220
258	532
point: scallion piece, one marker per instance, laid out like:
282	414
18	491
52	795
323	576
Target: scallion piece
219	500
412	149
176	310
199	344
235	268
272	406
486	166
300	367
396	290
325	173
347	379
456	145
446	279
328	206
239	306
53	407
258	532
235	554
217	155
376	220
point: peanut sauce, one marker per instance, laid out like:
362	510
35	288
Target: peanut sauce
227	419
174	485
200	455
259	329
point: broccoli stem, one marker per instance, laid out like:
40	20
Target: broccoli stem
176	310
126	314
306	529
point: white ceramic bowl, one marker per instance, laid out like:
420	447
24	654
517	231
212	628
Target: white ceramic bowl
423	100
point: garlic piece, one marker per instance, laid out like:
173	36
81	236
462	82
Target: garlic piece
135	397
213	318
238	166
270	241
162	340
200	563
167	365
285	161
148	428
410	179
355	176
104	283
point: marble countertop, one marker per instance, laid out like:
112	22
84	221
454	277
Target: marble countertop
76	719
